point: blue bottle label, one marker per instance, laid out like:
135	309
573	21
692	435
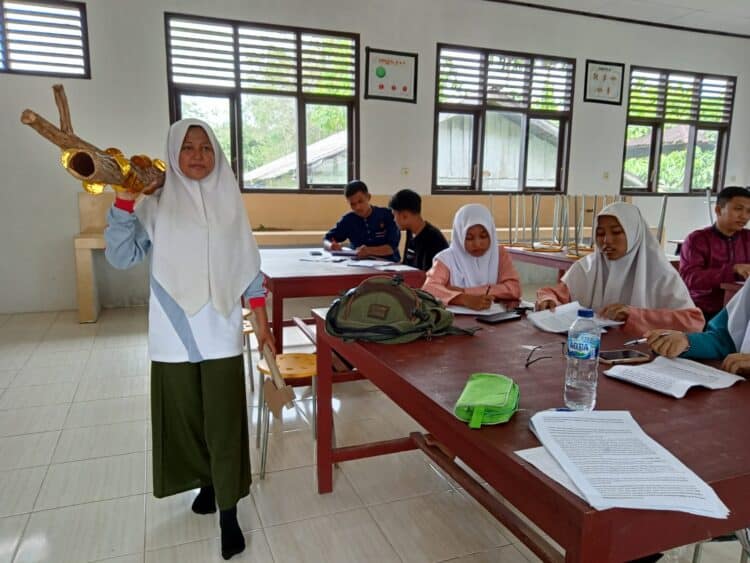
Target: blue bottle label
583	347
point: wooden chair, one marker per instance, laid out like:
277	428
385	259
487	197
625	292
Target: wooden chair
295	369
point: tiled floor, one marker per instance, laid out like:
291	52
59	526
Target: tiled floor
75	466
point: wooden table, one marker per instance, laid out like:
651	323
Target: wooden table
287	276
426	377
730	289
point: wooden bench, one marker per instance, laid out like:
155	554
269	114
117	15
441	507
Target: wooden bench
280	220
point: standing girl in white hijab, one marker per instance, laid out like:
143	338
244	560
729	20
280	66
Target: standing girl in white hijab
473	271
204	259
628	278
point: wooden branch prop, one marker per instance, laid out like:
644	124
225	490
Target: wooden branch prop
94	167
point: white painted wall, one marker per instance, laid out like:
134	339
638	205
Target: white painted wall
125	104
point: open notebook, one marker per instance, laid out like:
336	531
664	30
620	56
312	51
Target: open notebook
562	317
673	377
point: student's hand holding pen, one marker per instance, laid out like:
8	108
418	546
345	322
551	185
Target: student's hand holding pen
668	343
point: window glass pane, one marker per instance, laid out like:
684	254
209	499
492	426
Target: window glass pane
673	158
455	135
214	111
637	156
269	141
541	160
704	159
503	140
327	144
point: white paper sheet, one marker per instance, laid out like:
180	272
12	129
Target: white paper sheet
395	268
673	377
368	263
494	308
559	320
540	458
615	464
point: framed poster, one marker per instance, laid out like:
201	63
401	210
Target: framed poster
603	82
390	75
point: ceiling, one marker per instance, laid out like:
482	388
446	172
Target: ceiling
726	16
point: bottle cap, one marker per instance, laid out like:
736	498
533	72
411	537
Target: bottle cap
586	313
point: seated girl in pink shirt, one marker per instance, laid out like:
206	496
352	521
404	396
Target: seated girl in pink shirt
473	271
627	278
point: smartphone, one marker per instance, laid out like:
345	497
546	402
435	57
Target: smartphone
498	317
623	357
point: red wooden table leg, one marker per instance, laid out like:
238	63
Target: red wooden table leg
325	414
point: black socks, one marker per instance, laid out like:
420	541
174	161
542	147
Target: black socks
232	540
205	502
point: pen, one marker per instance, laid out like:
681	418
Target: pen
642	340
488	290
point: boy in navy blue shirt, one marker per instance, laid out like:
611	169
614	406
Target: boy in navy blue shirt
370	230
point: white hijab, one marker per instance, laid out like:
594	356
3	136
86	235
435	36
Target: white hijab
467	270
739	317
203	245
643	277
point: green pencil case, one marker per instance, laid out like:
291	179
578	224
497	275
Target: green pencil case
487	398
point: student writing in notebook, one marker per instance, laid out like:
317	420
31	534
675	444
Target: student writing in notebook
370	230
627	278
423	240
473	271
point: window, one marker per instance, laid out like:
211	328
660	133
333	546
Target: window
283	101
677	132
506	114
46	38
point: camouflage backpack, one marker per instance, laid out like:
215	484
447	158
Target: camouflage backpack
383	309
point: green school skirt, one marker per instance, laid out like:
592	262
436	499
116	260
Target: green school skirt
199	426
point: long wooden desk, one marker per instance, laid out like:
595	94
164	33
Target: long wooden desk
706	430
287	276
559	260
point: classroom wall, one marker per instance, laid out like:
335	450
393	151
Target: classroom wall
125	104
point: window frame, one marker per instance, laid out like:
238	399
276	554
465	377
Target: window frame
175	90
657	135
480	112
81	7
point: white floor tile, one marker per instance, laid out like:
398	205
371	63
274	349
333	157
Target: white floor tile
11	529
18	490
506	554
118	362
108	411
209	551
6	377
135	558
286	496
77	444
30	376
96	389
56	359
170	521
26	321
286	450
29	450
33	419
338	538
14	355
37	396
92	480
391	477
84	532
437	527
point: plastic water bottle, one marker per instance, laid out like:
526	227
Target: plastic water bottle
581	375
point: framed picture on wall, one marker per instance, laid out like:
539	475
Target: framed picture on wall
603	82
390	75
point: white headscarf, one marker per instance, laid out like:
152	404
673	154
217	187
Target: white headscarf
203	245
643	277
739	317
467	270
